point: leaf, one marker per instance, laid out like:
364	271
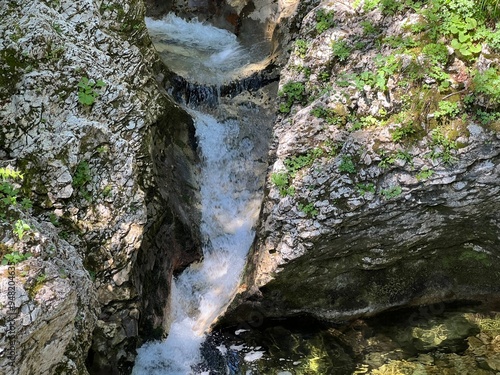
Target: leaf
476	48
455	44
471	23
462	37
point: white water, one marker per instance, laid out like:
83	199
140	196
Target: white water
199	52
202	292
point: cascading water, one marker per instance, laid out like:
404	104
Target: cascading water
229	207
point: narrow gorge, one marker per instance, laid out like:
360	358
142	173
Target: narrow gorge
249	187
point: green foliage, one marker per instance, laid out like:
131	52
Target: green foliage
324	20
365	188
486	118
443	147
386	160
81	177
301	47
487	83
293	92
436	52
328	115
391	192
9	194
365	122
89	90
403	132
424	174
347	164
15	258
447	110
340	50
391	7
20	228
463	30
106	192
308	209
369	28
296	163
281	180
54	219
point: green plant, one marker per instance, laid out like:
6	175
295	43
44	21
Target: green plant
81	177
281	180
54	219
436	53
301	47
391	7
443	147
365	188
391	192
463	31
447	110
487	83
14	258
296	163
424	174
340	50
386	159
347	165
403	132
293	92
369	28
106	192
89	90
324	20
308	209
20	228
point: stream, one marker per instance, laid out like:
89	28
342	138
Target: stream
232	173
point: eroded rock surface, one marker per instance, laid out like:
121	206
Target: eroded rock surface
84	119
360	217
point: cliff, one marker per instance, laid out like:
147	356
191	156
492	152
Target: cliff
90	148
383	191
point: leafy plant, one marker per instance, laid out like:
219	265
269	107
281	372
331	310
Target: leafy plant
324	20
81	177
340	50
308	209
20	228
443	147
424	174
391	192
89	90
365	188
281	180
293	92
296	163
447	110
347	165
15	258
487	83
403	132
301	47
463	31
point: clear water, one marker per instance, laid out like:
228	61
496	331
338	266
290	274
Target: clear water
229	210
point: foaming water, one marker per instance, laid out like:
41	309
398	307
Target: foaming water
201	293
197	51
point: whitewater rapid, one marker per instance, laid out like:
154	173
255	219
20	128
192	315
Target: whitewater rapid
229	210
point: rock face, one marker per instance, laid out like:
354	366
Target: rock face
107	161
377	198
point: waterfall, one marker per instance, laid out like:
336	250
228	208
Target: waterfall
229	208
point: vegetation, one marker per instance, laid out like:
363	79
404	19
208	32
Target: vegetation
89	90
14	258
324	20
292	92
